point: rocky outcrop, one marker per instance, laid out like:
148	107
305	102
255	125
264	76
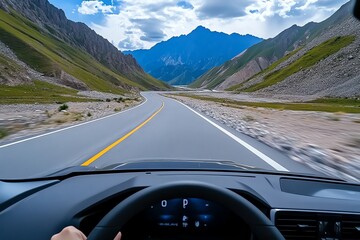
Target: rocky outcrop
252	68
12	70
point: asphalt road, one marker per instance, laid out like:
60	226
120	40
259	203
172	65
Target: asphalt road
160	128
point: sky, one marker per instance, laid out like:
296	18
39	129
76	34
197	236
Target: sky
140	24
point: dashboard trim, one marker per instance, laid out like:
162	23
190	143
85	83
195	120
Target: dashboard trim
274	211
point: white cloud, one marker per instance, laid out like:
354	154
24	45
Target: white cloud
94	6
143	23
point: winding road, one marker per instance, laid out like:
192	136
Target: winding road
159	128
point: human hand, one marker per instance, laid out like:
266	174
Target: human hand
72	233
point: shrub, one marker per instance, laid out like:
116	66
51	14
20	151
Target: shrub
63	107
3	133
248	118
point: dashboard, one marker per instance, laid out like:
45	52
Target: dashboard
301	207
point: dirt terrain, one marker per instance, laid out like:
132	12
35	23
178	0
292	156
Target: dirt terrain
23	120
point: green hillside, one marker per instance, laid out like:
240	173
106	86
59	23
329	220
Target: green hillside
50	56
272	49
39	92
309	59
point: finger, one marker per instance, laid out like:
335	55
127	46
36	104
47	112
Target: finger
118	236
55	237
82	235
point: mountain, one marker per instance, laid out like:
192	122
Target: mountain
180	60
272	62
71	53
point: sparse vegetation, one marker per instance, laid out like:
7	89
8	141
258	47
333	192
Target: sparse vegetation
248	118
39	92
309	59
89	114
63	107
65	117
3	133
117	109
60	121
323	105
78	117
334	118
48	114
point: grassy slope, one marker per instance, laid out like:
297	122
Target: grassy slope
39	92
49	55
323	105
309	59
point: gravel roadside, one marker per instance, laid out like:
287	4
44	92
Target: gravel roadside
18	121
327	142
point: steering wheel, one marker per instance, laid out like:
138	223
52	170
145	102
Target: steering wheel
111	224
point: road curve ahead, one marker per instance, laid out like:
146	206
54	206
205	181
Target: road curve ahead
160	128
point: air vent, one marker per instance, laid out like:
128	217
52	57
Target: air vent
318	225
297	225
350	227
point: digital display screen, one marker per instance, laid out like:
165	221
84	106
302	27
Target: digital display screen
187	218
188	214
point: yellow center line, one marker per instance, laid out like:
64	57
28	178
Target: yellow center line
108	148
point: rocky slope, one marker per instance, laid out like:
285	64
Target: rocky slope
180	60
335	76
236	73
55	22
73	42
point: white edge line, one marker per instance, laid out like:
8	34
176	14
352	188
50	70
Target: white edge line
261	155
70	127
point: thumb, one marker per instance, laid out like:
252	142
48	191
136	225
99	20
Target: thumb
118	236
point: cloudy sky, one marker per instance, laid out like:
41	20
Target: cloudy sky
135	24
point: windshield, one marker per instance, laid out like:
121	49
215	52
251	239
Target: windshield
89	85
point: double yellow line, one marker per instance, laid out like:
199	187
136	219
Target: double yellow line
114	144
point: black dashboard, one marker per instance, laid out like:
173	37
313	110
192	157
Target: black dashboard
300	207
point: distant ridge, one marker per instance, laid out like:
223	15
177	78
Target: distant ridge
180	60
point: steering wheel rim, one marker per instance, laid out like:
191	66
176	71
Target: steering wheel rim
113	221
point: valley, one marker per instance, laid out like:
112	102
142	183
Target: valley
295	95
